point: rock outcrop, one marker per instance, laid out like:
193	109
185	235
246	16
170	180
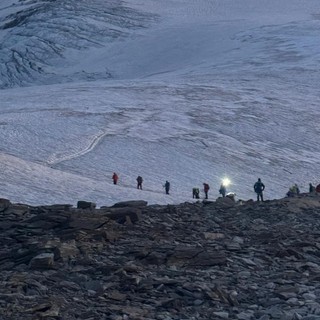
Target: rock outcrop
210	260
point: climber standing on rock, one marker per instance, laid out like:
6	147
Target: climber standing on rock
312	188
258	189
206	188
223	190
195	193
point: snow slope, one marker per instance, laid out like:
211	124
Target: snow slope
185	91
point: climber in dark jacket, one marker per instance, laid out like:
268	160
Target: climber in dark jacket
312	188
167	187
139	182
258	189
223	190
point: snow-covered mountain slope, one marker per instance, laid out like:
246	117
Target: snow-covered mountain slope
185	91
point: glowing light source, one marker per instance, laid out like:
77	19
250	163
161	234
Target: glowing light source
226	181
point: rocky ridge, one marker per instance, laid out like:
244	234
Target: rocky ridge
205	260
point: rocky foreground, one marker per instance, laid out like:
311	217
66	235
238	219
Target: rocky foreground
212	260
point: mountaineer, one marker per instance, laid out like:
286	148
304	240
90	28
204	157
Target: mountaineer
167	186
258	189
139	182
223	190
206	188
115	178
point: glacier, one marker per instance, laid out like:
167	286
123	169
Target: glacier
184	91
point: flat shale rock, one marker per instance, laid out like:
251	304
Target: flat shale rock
42	261
132	203
225	202
211	260
86	205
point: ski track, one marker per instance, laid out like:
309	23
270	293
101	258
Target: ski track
96	139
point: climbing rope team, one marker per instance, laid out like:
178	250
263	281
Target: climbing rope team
258	188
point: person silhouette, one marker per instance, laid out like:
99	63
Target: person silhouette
195	193
139	182
115	178
258	188
312	188
223	190
206	188
167	186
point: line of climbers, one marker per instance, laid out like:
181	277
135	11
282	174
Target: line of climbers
258	188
